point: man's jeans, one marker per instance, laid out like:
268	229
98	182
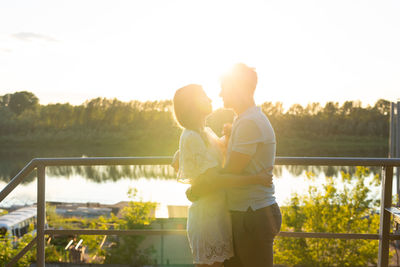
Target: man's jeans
253	236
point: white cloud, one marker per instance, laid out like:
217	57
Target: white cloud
30	36
6	50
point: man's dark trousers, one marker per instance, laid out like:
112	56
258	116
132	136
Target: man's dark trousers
253	236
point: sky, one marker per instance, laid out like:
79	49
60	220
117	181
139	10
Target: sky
303	51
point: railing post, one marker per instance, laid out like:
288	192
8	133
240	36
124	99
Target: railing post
392	131
41	215
384	226
398	148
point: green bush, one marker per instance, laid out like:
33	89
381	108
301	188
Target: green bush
350	209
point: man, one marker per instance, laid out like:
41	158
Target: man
256	217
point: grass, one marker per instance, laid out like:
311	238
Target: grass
165	144
336	146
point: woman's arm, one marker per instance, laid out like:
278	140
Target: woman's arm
175	161
213	180
225	180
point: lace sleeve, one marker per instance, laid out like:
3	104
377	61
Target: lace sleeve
194	157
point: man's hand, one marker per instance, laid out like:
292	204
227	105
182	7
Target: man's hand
265	177
227	130
190	196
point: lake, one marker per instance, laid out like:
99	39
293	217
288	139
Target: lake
110	184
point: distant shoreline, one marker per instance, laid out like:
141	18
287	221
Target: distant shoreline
58	146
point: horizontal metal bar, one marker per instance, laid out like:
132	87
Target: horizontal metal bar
17	180
336	235
103	161
329	235
147	232
313	161
22	253
394	236
395	212
335	161
113	232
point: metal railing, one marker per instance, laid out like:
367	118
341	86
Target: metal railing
40	164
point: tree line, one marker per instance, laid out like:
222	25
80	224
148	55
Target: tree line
148	128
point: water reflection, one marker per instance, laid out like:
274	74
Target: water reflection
330	171
12	161
100	174
10	165
113	173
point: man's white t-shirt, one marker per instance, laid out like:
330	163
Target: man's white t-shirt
252	134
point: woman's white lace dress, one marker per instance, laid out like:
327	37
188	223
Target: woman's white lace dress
209	224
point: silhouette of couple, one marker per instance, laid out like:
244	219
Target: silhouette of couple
234	217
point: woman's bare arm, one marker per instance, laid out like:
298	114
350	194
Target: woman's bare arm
213	180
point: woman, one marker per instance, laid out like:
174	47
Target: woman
200	157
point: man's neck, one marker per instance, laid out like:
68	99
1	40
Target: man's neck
244	107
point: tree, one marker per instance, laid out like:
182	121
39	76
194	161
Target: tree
383	106
21	101
296	110
218	118
10	246
331	210
313	108
331	108
347	108
271	109
126	249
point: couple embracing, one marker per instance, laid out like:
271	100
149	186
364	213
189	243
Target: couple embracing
234	217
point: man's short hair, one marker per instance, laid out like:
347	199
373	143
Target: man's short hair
242	77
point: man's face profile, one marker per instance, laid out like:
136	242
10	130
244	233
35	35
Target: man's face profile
227	94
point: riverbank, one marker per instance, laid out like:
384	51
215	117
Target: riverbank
109	145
